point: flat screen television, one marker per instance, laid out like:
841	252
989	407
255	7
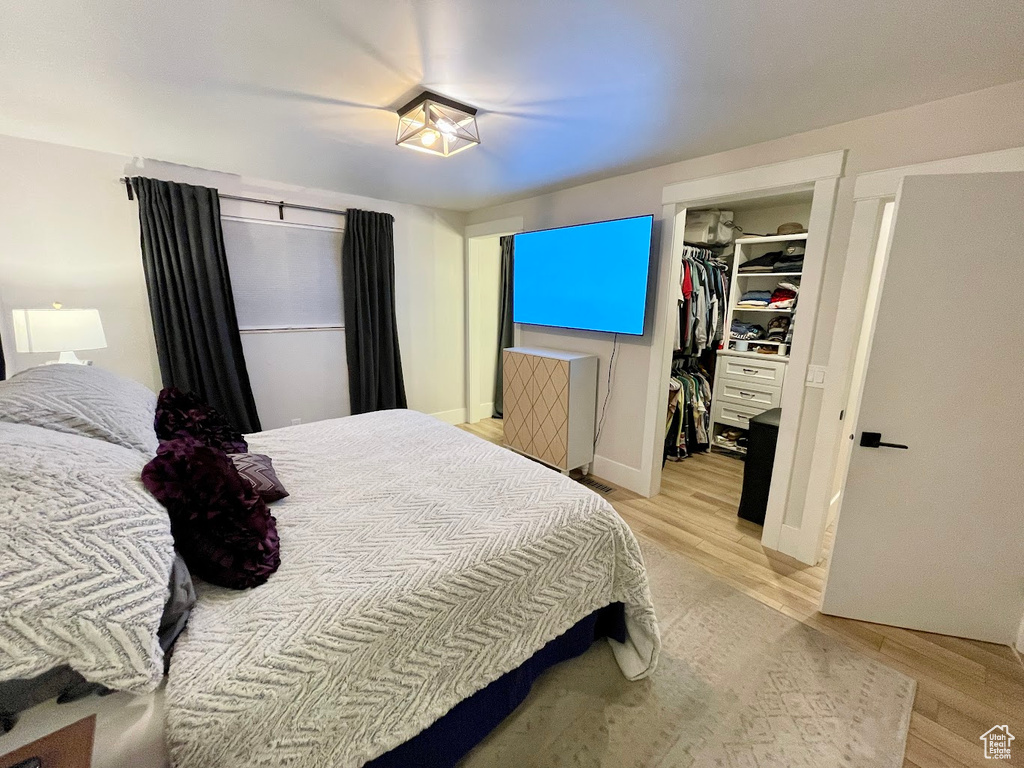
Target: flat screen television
590	277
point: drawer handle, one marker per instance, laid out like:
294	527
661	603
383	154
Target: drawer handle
748	395
750	371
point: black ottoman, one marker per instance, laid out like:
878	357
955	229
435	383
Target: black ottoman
757	471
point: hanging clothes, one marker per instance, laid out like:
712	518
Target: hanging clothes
702	301
688	425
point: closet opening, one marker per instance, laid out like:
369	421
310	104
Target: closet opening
733	318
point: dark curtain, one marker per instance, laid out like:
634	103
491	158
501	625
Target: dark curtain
505	330
197	339
371	332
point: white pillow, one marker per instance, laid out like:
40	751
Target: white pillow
85	560
82	400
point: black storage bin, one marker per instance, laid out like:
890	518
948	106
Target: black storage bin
757	471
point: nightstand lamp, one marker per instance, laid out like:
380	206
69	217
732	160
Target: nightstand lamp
58	330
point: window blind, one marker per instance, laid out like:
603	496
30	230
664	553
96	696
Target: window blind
284	275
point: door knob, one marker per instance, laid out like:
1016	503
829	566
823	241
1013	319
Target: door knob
874	440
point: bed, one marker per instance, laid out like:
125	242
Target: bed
421	569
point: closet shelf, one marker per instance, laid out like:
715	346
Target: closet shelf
768	274
770	239
763	342
761	309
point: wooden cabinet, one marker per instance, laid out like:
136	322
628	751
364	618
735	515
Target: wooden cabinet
550	405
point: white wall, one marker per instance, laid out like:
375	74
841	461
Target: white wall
296	366
69	233
976	122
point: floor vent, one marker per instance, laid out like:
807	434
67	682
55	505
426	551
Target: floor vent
597	486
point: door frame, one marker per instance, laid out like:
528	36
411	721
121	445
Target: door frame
872	191
819	174
487	229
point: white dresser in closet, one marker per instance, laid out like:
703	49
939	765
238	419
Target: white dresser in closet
747	382
745	386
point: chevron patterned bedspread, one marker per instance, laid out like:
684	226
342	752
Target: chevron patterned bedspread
419	564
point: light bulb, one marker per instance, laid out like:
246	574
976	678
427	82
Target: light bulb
428	138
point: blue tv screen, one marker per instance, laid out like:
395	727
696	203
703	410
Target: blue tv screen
591	277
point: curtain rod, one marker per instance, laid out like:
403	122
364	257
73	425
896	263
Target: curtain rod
279	204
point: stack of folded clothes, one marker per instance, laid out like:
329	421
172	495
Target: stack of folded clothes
790	260
784	296
777	328
755	299
761	263
746	331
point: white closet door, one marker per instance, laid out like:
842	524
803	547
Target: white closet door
932	537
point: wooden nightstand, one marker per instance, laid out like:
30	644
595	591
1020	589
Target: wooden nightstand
70	747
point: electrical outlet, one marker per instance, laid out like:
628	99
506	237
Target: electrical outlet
296	421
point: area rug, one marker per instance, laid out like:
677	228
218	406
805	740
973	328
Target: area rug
739	685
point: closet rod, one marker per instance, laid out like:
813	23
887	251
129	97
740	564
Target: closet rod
279	204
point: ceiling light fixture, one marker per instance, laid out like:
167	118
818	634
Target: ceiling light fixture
437	124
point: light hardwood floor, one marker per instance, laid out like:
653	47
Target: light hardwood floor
964	687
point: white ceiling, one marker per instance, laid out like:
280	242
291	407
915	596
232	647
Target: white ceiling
569	90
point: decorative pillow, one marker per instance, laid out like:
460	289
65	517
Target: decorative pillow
181	414
85	560
82	400
221	526
259	470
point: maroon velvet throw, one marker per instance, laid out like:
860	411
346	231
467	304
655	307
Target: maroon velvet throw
181	414
221	526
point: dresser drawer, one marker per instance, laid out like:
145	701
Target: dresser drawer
751	369
748	393
736	415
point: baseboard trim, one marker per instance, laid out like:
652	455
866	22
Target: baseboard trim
458	416
480	412
622	475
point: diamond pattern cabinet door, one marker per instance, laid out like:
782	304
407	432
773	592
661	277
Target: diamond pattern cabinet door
517	389
551	411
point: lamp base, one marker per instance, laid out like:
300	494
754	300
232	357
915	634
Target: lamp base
69	358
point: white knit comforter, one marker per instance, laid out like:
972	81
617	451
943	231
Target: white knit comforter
419	564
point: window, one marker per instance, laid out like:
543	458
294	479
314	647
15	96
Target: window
286	279
284	275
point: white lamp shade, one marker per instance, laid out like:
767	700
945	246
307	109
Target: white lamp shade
58	330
